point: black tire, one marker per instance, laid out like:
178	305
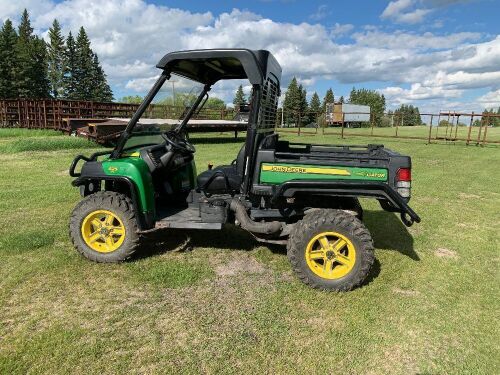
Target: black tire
121	206
328	220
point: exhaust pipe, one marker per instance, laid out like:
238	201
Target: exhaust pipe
248	224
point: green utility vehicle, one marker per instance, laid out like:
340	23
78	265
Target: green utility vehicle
301	195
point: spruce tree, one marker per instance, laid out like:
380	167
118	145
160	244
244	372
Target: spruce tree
329	98
315	104
56	55
31	69
239	97
84	67
40	80
101	91
314	108
23	71
303	106
69	69
8	61
292	102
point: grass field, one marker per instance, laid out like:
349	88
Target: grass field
231	305
492	134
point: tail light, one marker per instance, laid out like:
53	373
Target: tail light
403	182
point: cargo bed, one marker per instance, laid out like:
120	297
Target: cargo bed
285	169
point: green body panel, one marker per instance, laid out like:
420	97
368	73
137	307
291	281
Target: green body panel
136	169
277	173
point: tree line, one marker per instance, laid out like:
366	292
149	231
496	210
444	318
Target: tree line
295	103
63	68
406	115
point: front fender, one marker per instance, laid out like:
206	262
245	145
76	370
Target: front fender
134	172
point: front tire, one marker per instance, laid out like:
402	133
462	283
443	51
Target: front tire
103	227
331	250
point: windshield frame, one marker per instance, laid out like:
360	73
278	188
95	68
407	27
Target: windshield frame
128	132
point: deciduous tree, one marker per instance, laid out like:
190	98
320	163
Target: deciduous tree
371	98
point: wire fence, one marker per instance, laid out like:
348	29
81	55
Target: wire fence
51	114
468	127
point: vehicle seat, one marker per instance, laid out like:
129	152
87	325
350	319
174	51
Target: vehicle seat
224	178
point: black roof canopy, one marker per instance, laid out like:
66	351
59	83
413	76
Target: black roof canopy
211	65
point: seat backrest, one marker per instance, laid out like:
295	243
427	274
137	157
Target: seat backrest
240	161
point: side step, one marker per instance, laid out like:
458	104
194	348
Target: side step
187	218
187	225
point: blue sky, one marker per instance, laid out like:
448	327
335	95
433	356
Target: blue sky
437	54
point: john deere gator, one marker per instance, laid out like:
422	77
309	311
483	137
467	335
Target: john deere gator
303	196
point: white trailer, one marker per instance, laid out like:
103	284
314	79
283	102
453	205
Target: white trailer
348	113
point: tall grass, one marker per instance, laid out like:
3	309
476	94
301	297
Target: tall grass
46	144
20	132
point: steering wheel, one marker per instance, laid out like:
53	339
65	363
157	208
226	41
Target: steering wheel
178	142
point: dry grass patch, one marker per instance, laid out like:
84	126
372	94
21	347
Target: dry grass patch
443	252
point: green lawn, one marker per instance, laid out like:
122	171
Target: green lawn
492	134
218	302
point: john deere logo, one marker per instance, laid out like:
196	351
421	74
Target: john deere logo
112	169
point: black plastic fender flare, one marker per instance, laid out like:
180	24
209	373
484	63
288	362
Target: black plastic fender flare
349	188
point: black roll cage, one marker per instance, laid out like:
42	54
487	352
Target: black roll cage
208	67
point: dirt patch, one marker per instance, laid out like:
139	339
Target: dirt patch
63	173
443	252
468	196
239	266
468	225
406	292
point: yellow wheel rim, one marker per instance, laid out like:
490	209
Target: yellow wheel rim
330	255
103	231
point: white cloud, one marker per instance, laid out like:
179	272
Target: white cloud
339	30
401	11
130	37
464	80
141	84
417	92
405	40
395	8
490	100
322	12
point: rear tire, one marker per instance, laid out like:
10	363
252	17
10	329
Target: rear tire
331	250
103	227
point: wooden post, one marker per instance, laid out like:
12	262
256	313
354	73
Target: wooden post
447	125
44	114
437	127
470	128
486	130
372	121
480	130
456	126
342	131
325	124
19	112
298	122
430	130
